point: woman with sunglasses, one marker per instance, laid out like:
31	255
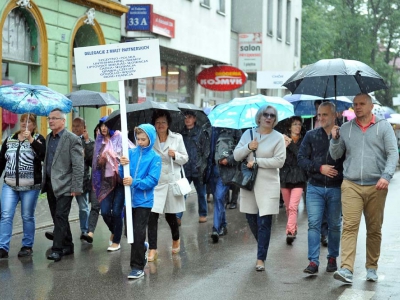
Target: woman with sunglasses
263	201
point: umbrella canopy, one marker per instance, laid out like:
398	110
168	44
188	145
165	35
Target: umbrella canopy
85	98
201	117
335	77
304	104
140	113
349	114
380	112
23	98
240	113
394	119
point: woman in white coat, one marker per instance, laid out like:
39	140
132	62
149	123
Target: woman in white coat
263	202
170	147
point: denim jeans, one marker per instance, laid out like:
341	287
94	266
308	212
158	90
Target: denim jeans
9	201
218	190
261	229
111	210
201	197
319	199
83	204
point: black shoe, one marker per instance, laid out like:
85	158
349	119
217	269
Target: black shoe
223	231
67	251
312	268
3	253
215	236
332	266
232	205
324	240
87	238
290	238
49	235
25	251
54	256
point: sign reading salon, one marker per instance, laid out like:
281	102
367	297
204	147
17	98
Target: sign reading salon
250	52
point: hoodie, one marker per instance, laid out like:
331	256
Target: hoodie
369	156
145	170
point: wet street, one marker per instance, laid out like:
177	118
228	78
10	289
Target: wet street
202	270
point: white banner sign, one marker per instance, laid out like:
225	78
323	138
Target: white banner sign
115	62
250	52
272	80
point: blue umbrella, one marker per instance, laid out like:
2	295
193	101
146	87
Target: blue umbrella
304	104
240	113
23	98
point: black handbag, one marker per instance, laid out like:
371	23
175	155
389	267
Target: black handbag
245	177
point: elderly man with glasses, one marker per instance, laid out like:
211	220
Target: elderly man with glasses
62	180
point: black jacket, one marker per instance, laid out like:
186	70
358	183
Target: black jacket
291	174
313	153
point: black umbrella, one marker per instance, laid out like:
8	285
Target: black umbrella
85	98
140	113
335	77
201	117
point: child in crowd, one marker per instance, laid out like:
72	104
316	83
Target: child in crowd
145	169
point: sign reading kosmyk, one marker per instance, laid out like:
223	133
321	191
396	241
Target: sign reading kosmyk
116	62
222	78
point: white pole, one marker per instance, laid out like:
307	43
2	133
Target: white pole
124	133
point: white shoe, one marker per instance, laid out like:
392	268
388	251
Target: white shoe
114	248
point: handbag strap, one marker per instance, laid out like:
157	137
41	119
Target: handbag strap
254	151
182	169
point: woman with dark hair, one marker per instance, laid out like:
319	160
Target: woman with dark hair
293	178
170	147
21	157
263	201
106	182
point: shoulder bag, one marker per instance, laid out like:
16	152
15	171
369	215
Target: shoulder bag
245	177
181	187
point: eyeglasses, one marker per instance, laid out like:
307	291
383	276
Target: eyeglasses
270	116
53	119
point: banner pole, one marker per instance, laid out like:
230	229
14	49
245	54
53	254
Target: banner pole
124	133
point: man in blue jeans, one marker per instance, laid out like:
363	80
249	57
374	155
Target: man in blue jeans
197	144
323	188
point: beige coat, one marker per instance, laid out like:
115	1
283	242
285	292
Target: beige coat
164	199
271	155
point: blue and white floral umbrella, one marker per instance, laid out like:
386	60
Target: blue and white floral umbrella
240	113
23	98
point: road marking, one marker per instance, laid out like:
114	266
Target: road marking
352	294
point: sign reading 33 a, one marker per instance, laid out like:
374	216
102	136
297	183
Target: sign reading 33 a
138	17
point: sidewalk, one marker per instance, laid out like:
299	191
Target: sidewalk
42	214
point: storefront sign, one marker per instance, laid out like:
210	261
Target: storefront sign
250	52
221	78
272	79
138	17
163	25
116	62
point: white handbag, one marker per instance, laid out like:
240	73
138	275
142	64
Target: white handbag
181	187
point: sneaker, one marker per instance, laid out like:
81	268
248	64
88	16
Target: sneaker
324	240
371	275
312	268
343	275
146	252
215	236
332	266
25	251
135	274
3	253
223	231
290	238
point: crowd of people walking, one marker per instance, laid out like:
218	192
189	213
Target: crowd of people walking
341	171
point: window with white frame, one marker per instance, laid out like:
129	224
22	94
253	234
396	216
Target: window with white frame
270	18
205	3
279	21
222	6
288	20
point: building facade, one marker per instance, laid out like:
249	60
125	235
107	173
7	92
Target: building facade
38	37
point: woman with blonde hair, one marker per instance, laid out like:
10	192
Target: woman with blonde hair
21	157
